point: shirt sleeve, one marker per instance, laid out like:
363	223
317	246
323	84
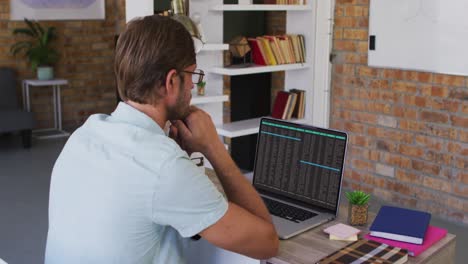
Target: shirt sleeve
185	198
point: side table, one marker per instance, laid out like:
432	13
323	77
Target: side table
56	131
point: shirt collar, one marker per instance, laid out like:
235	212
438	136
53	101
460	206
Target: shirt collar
131	115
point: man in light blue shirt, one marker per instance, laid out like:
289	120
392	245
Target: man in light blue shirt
124	192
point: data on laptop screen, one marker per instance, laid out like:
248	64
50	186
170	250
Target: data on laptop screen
300	162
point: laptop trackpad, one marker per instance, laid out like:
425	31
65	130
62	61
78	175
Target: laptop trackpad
287	228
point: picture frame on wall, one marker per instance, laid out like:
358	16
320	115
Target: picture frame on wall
57	9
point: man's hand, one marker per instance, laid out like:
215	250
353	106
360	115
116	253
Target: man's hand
196	133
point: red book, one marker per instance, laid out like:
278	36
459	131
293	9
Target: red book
280	104
433	234
257	55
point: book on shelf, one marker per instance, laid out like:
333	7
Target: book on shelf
257	55
274	50
298	111
267	50
279	105
433	235
289	105
400	224
367	251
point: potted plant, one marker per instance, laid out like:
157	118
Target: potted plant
358	207
37	49
201	88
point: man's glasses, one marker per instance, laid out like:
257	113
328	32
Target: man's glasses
197	75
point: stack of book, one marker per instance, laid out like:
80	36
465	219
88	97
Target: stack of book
274	50
289	105
405	228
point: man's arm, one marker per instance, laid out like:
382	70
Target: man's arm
246	227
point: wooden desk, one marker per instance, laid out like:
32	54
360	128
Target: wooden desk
312	245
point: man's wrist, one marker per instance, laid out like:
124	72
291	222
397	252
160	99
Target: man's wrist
214	149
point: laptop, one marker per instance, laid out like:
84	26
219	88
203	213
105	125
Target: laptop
298	172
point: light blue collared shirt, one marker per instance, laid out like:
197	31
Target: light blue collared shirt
123	192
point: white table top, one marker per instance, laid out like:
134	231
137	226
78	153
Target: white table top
36	82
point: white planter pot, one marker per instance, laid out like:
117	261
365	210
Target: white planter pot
45	73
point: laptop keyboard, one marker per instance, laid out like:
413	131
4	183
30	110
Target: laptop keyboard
286	211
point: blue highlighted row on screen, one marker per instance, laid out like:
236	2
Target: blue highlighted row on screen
318	165
303	130
278	135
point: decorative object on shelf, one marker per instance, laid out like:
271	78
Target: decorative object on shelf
38	48
201	88
239	49
358	207
179	13
196	18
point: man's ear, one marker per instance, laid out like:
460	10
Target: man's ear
171	81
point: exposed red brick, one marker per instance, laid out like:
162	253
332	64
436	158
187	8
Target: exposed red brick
411	151
460	190
429	142
459	121
449	80
434	117
437	184
405	112
462	176
426	167
368	71
345	45
410	177
404	87
357	11
438	91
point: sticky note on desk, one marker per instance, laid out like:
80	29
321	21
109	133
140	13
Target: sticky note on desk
351	238
342	231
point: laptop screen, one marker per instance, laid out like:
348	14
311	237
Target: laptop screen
300	162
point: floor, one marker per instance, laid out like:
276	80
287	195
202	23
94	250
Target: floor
24	192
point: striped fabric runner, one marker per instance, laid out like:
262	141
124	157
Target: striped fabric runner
365	252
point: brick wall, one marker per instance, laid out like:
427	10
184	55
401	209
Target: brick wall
86	49
408	130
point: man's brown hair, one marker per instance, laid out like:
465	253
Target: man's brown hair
146	51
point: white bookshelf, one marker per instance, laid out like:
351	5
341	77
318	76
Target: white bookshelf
257	69
214	47
245	127
209	97
261	8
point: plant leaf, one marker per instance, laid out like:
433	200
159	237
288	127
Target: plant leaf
39	27
32	27
19	46
24	31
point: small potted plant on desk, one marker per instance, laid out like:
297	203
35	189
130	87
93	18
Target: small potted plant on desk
37	48
358	207
201	88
